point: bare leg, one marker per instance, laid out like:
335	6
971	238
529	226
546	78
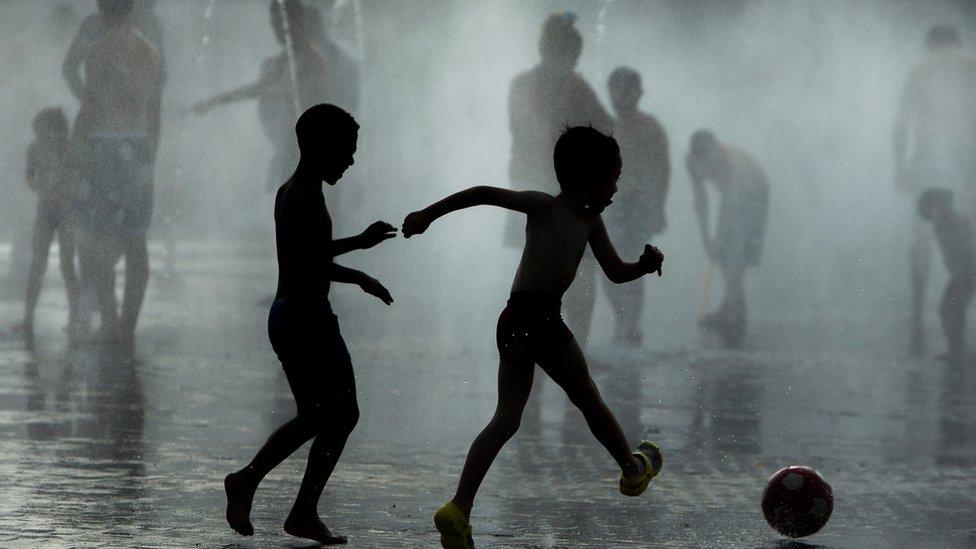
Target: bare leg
66	257
628	304
303	521
41	243
241	485
920	256
136	278
97	267
514	386
567	367
956	299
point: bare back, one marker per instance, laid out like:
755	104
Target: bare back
123	85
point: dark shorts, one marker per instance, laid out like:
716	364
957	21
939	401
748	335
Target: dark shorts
314	356
530	326
119	196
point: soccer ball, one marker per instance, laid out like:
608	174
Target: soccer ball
797	501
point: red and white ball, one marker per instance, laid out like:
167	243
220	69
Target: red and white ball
797	501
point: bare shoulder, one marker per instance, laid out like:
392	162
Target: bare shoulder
535	201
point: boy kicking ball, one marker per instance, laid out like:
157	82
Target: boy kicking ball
531	330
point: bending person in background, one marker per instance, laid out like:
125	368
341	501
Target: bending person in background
954	233
276	88
304	331
736	243
542	102
643	190
935	143
115	138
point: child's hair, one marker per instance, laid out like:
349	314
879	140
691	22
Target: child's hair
702	142
115	8
583	154
942	36
559	36
624	78
324	125
934	200
51	121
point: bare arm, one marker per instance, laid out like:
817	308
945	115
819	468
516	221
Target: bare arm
155	107
269	72
373	235
519	201
617	270
368	284
71	68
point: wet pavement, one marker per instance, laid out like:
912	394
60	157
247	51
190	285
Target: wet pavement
101	450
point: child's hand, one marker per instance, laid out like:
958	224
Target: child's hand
376	233
373	287
416	223
651	259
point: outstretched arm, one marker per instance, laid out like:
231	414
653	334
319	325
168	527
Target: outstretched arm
373	235
519	201
368	284
617	270
903	121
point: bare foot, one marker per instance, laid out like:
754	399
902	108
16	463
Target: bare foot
312	528
240	494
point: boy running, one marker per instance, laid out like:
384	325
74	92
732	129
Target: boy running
304	331
531	330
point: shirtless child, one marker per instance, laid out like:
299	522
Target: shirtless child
304	331
531	330
48	174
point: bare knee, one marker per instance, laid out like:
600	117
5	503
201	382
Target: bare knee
504	425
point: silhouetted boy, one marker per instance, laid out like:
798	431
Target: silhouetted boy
643	190
542	102
49	175
530	329
954	233
737	241
304	331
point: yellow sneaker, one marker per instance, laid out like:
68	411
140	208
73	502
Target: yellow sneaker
653	460
455	530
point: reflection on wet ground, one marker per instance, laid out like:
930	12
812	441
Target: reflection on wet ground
96	449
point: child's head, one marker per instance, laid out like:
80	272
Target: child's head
935	203
51	125
327	140
942	36
588	161
625	89
705	153
560	44
114	12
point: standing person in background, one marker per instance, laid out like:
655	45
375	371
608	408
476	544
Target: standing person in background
643	190
737	241
93	28
49	175
115	138
935	143
542	103
281	95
